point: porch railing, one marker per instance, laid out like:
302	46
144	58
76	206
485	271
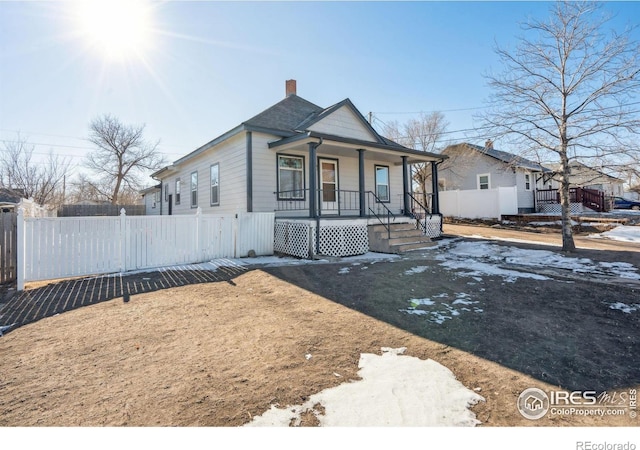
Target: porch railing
380	211
590	198
332	202
420	211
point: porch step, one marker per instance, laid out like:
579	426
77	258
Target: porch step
402	237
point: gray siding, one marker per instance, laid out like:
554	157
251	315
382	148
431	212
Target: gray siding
462	169
231	156
151	208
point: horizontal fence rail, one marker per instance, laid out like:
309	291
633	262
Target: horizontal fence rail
50	248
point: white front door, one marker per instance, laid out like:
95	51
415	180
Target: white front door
328	186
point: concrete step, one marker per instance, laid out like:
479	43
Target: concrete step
396	234
401	248
408	239
393	227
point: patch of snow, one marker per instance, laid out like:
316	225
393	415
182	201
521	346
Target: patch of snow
414	270
483	258
624	233
343	271
395	390
439	312
628	309
480	268
5	328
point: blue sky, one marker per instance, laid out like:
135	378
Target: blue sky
208	66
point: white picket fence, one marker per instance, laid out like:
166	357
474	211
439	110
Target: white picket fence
61	247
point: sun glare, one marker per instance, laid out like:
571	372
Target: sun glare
120	29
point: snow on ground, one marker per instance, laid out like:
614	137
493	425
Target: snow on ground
483	258
439	311
628	309
620	233
395	390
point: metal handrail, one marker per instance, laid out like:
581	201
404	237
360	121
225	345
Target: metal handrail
389	213
422	214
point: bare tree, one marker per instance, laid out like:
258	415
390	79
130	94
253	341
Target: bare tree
121	158
567	93
422	133
42	181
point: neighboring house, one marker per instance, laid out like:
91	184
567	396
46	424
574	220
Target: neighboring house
11	200
152	202
472	167
304	162
589	178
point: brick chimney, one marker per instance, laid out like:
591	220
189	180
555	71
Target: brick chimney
488	144
290	87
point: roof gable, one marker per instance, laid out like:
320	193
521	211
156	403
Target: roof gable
342	119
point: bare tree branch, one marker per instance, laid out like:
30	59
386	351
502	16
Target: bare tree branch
121	158
42	181
566	93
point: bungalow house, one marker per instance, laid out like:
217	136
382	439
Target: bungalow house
151	200
472	167
334	184
587	177
11	200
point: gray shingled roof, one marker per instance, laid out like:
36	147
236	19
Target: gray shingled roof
286	115
295	114
509	158
10	195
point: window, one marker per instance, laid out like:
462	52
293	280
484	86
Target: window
156	199
527	181
382	183
178	191
483	181
215	184
166	192
194	189
290	177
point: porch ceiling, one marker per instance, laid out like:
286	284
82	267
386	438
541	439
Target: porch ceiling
339	146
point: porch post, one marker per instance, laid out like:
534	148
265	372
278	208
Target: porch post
405	187
435	204
313	212
363	207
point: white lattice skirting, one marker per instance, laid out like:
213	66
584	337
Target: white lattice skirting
294	238
299	239
556	208
432	226
345	240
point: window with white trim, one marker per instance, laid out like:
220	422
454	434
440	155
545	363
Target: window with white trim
215	184
177	191
382	183
194	189
484	181
291	177
527	181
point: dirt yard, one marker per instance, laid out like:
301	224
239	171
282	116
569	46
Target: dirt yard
220	353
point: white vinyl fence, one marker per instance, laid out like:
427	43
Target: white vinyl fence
479	203
50	248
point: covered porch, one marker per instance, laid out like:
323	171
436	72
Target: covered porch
332	192
348	177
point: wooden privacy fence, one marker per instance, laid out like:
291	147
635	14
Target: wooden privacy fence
8	248
61	247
